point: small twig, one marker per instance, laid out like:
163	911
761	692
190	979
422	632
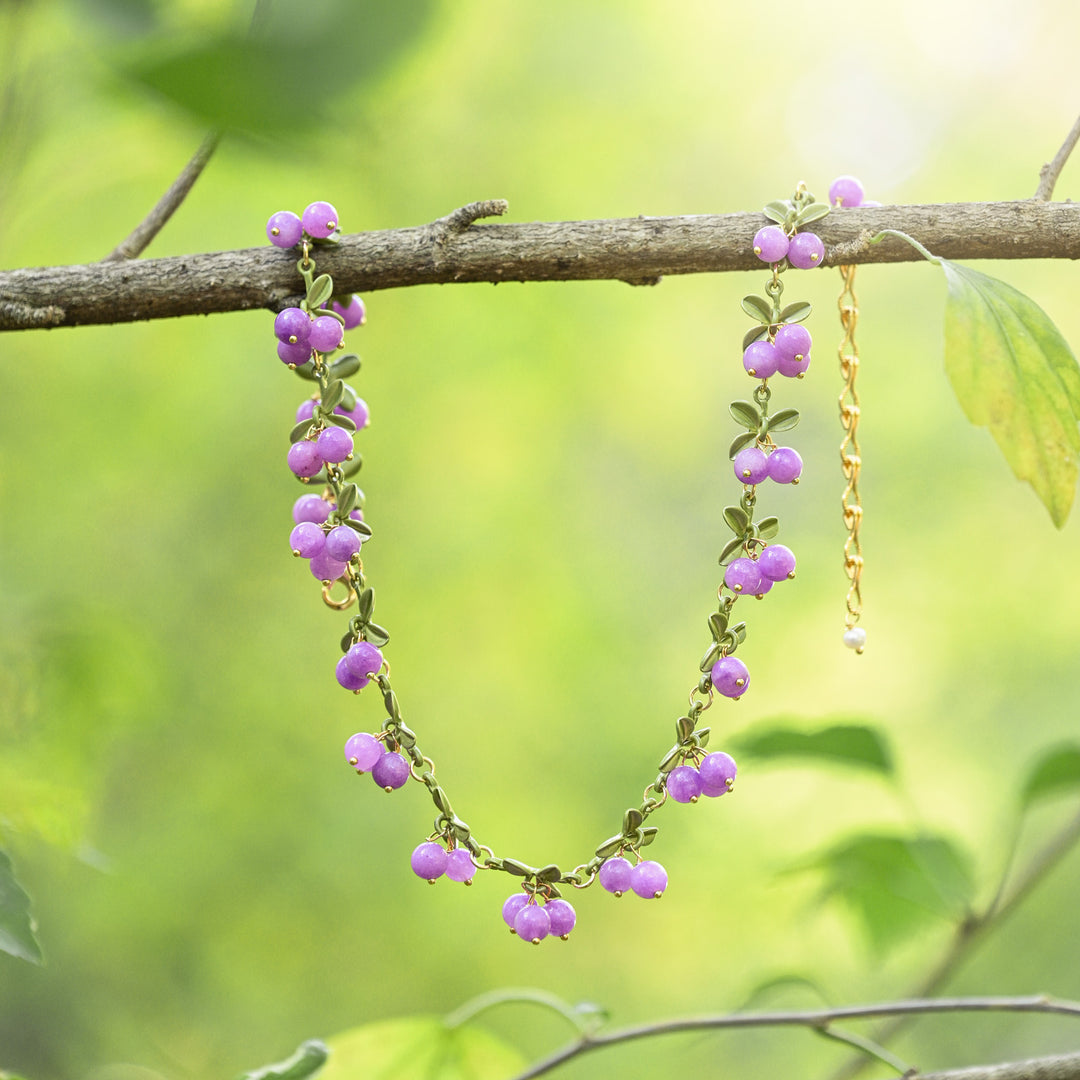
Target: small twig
818	1019
464	216
867	1046
973	929
166	206
1049	173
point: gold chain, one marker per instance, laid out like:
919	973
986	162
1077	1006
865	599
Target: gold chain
850	461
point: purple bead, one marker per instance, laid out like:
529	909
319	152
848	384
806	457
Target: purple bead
356	515
615	875
648	880
347	679
770	244
325	333
806	251
777	562
561	916
845	191
459	865
716	771
306	411
793	341
292	326
362	751
284	229
512	905
764	587
342	543
429	861
307	540
319	220
354	315
792	369
297	355
785	465
743	576
751	466
684	784
325	568
363	660
390	771
760	359
334	444
360	416
310	508
730	676
531	923
304	459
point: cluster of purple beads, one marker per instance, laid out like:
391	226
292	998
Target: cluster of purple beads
533	921
365	753
788	353
647	879
803	250
328	549
431	860
780	464
355	668
713	776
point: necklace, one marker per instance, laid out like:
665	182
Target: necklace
330	530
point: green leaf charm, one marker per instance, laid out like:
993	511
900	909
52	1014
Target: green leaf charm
16	923
757	308
796	312
755	333
321	290
740	442
736	518
746	413
1015	374
783	420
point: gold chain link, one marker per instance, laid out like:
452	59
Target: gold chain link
850	460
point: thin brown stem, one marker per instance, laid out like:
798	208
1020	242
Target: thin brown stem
818	1019
636	250
139	238
1050	172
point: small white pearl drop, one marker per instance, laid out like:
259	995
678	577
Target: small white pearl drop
855	638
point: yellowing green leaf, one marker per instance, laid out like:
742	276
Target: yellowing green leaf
419	1048
1015	374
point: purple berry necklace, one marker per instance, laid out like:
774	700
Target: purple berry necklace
330	530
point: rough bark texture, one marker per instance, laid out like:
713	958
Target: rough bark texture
1059	1067
636	250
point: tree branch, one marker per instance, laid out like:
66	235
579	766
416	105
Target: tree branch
1057	1067
818	1019
636	250
139	238
1049	173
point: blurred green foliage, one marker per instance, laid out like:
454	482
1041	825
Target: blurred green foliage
545	475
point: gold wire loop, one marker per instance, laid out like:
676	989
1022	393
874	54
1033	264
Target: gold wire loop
346	601
850	458
702	699
430	771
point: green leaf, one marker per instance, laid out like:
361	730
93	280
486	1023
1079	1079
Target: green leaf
648	835
757	308
332	397
746	413
338	420
420	1048
362	527
717	624
377	635
730	548
796	312
307	371
299	431
518	869
783	419
367	604
1014	373
778	211
767	528
1057	772
813	212
16	923
346	499
755	333
351	468
740	442
856	745
549	874
321	290
896	885
736	518
308	1059
348	398
344	366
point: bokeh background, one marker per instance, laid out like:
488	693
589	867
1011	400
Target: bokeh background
545	473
